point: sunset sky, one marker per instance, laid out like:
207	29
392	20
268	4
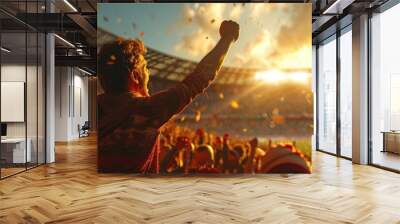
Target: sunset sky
272	36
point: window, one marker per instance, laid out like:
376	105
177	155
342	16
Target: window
22	77
385	89
327	96
346	93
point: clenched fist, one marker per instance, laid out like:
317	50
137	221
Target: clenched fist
229	29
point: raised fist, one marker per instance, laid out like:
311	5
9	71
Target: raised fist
229	29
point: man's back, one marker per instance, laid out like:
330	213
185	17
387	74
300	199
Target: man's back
127	133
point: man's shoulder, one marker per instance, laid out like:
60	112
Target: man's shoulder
124	96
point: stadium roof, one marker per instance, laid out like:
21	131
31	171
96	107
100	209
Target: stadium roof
172	68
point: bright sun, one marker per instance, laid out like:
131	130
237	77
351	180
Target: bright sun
279	77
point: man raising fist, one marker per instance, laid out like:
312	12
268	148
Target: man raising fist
129	118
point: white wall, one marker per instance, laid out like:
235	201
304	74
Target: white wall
71	93
80	84
16	73
33	127
61	103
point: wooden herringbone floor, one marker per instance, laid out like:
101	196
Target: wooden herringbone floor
71	191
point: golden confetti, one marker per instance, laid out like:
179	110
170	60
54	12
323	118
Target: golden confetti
197	116
221	96
278	119
259	152
272	125
212	21
234	104
275	111
244	129
141	34
309	98
112	60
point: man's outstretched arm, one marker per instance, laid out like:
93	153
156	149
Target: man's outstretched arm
209	66
167	103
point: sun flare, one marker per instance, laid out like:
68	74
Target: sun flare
279	77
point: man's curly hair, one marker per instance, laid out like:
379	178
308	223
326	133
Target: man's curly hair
119	59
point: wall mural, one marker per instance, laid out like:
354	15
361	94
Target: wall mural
204	88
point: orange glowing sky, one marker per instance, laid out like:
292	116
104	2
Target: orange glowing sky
274	36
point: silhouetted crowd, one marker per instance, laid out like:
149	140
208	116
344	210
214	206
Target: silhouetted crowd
183	150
